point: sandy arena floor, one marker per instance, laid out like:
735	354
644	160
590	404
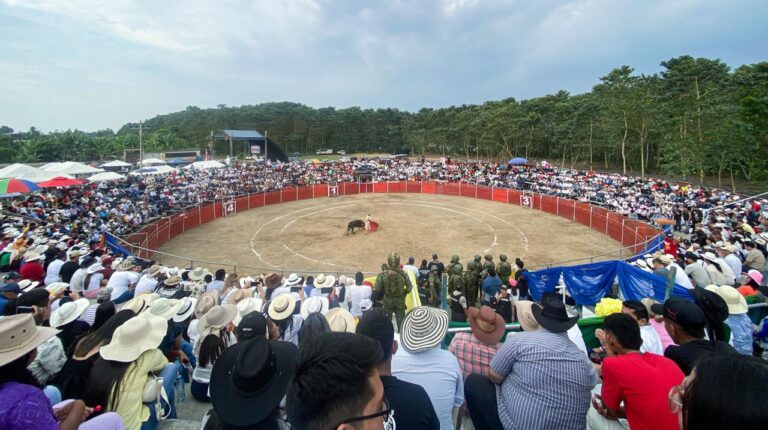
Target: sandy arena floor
310	235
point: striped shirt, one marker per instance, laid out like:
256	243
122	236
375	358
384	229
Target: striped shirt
547	382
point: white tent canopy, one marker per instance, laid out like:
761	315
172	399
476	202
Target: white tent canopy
208	164
23	171
116	163
106	176
71	168
154	170
152	161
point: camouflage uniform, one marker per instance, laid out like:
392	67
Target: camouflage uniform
488	264
394	285
478	261
435	285
504	270
453	267
471	284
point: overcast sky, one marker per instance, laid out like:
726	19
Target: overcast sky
92	64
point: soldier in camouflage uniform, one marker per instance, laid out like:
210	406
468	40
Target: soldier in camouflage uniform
435	285
378	296
471	283
504	270
488	264
453	267
478	261
394	285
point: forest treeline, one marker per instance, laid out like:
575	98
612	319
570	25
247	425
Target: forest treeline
697	117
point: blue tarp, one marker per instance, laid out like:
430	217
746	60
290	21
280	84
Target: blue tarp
518	161
588	283
114	245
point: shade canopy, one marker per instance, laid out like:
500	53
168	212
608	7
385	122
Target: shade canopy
154	170
518	160
71	168
24	171
13	186
116	163
106	176
208	164
152	161
60	181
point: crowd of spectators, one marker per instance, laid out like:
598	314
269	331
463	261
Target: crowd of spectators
95	340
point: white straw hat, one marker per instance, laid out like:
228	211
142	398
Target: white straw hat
19	335
197	274
133	338
162	308
281	307
423	328
216	319
68	312
26	284
313	305
324	281
246	306
340	320
185	309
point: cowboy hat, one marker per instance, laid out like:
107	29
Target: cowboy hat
154	270
172	281
116	262
27	284
246	306
56	287
216	319
525	315
126	264
140	302
281	307
33	256
709	256
314	304
185	309
423	328
237	295
68	312
205	302
249	380
553	315
273	281
293	279
162	308
133	338
94	268
737	304
324	281
19	335
486	324
340	320
197	274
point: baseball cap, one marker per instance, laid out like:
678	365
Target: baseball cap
251	325
11	275
682	312
10	287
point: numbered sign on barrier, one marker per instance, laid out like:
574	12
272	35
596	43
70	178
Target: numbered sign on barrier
333	191
228	207
526	200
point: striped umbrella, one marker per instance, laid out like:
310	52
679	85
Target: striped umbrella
13	185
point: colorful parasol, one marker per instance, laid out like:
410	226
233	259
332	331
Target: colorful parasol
13	185
60	181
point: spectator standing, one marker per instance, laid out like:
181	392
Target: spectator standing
522	282
476	349
411	267
411	404
356	294
440	266
491	286
422	362
640	381
538	379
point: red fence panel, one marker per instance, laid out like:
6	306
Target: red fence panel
217	209
567	208
379	187
177	225
599	221
242	204
549	204
614	227
451	189
351	188
467	190
190	219
581	215
256	200
290	194
412	187
206	214
163	234
272	197
321	190
485	193
514	197
396	187
304	192
366	187
500	195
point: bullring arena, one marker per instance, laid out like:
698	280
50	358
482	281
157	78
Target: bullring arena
307	236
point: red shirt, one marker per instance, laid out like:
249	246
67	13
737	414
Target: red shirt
33	271
642	381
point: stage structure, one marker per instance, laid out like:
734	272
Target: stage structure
252	143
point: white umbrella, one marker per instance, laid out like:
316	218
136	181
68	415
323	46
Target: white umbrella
23	171
71	168
208	164
152	161
116	163
106	176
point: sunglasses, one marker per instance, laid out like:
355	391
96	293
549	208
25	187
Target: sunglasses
386	412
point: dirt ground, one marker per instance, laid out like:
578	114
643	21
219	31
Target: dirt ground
310	236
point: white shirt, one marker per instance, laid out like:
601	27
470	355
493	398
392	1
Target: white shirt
651	340
734	263
76	283
215	285
355	295
146	284
413	269
680	277
52	273
120	281
438	372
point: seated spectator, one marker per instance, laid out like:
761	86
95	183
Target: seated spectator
637	310
538	379
73	379
337	385
214	339
722	392
639	380
476	349
94	281
218	282
253	324
414	409
281	311
314	326
52	272
695	270
685	323
8	294
340	320
657	322
118	377
147	283
248	385
738	321
32	268
123	281
65	318
752	285
50	356
422	362
24	404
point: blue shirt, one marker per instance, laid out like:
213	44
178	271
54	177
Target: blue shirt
491	286
741	333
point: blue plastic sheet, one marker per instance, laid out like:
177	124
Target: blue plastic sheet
113	244
589	283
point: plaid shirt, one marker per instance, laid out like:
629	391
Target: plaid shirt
474	356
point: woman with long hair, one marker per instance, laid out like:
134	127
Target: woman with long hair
314	326
118	377
73	379
215	336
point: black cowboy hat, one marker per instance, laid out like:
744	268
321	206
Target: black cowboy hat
553	316
250	378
